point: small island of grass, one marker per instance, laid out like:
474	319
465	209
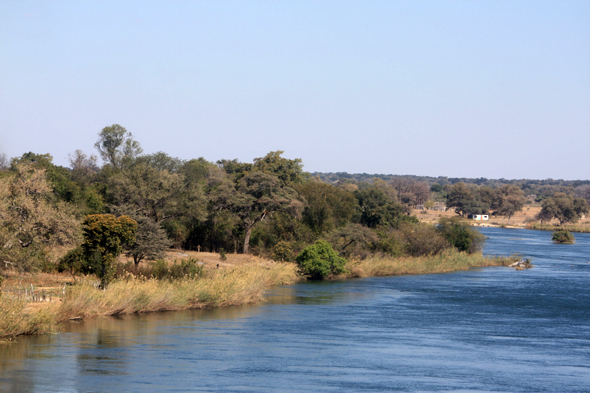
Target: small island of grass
563	236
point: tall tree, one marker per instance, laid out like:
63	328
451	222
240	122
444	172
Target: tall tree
117	146
254	199
289	172
508	200
156	193
465	201
83	167
327	207
377	208
563	207
150	242
31	220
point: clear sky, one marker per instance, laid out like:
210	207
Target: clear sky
496	89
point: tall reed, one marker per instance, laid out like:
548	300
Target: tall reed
240	285
447	261
15	319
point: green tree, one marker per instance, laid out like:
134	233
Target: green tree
74	262
156	193
563	207
289	172
162	161
377	209
328	207
465	201
255	198
320	260
104	238
59	178
508	200
117	146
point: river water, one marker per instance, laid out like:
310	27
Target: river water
483	330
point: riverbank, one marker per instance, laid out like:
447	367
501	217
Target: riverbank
445	262
241	284
524	219
234	285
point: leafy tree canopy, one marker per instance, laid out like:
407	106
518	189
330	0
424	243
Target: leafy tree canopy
289	172
564	208
117	146
104	238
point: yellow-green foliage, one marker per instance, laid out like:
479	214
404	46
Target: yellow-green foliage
15	320
240	285
447	261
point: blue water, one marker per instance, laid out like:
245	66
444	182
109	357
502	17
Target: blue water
483	330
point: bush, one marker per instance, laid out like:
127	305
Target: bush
562	236
187	268
74	262
283	252
460	235
422	239
320	260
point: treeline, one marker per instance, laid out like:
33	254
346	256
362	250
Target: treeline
534	190
269	207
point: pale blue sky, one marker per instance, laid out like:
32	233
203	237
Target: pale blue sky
453	88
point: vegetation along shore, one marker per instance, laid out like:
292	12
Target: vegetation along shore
150	232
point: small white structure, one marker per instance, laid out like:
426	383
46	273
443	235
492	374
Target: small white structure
478	217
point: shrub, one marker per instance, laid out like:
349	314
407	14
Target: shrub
460	235
423	239
283	252
320	260
74	262
187	268
563	236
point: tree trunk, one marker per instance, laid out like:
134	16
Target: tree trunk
247	239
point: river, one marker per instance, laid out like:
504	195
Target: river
483	330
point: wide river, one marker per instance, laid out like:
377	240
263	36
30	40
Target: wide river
483	330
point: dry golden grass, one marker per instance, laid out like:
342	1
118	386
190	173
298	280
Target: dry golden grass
17	319
447	261
241	284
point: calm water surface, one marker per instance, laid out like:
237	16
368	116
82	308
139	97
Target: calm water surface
484	330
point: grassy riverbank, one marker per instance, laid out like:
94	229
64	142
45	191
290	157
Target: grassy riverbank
551	227
242	284
447	261
233	286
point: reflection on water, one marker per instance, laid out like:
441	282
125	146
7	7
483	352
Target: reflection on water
493	329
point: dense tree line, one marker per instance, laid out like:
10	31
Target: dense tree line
270	207
535	190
